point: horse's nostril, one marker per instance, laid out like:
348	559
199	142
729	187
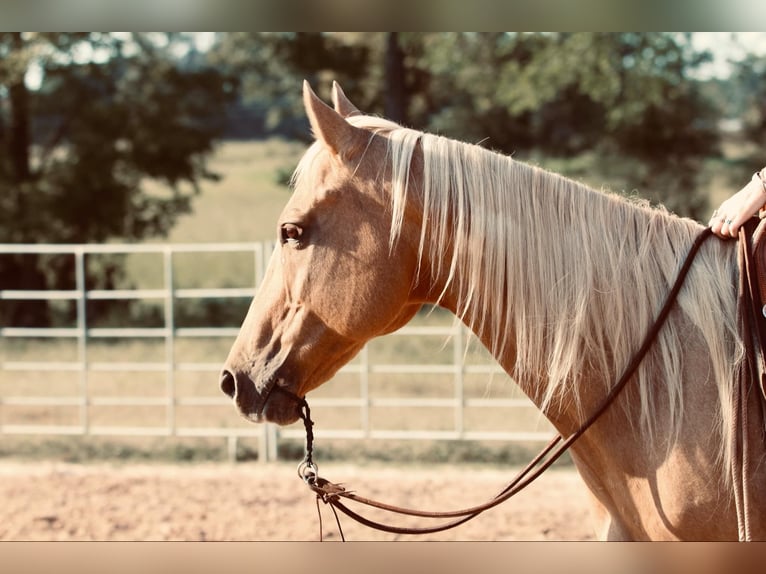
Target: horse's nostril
228	385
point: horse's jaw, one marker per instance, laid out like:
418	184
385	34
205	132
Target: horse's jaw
268	380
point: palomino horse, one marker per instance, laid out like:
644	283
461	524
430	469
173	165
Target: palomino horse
559	281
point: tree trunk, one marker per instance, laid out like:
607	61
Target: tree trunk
21	271
18	140
395	101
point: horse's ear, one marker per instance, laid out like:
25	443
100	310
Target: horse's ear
330	127
342	104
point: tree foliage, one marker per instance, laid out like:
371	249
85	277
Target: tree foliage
624	96
96	131
750	76
112	114
272	66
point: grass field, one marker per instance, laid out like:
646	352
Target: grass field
245	204
242	207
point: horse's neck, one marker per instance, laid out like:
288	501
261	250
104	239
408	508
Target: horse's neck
564	307
536	248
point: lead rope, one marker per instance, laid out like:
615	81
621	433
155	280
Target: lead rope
330	493
748	375
309	471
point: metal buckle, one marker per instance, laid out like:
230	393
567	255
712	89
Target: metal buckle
308	471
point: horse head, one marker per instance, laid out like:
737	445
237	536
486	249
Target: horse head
335	279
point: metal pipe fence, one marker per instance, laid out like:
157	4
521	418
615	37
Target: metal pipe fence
24	360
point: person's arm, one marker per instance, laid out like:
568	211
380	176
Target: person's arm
729	217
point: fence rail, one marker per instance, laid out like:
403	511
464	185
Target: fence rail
30	357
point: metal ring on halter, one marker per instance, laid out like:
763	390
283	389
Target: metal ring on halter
308	471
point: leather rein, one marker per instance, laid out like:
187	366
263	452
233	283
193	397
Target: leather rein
334	494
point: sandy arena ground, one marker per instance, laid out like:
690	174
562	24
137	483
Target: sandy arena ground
248	501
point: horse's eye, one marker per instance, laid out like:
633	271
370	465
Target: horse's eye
291	233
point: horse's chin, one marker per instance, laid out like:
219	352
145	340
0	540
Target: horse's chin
277	408
280	410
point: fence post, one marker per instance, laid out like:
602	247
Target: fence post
170	330
82	337
364	389
458	353
231	444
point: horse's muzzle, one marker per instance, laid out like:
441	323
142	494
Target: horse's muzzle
241	389
258	406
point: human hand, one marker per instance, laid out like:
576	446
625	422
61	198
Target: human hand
729	217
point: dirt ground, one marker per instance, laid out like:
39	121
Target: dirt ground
249	501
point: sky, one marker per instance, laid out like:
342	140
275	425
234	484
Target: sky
727	46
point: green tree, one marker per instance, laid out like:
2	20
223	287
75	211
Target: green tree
112	144
272	66
626	97
750	79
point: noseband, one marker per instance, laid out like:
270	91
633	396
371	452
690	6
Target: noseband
332	493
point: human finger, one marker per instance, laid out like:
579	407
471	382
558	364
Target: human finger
717	223
733	225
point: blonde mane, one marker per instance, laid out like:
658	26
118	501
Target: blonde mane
571	276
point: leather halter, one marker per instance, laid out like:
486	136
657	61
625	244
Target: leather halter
332	493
